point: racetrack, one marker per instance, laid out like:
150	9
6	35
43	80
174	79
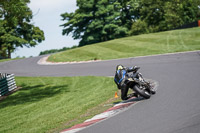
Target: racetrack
174	109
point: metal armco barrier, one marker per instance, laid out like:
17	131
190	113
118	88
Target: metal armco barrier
7	83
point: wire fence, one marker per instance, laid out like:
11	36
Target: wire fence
7	83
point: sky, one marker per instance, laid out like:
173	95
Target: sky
46	15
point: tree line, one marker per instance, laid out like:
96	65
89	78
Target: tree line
95	20
101	20
56	50
16	28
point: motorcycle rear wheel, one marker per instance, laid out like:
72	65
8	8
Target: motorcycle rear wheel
141	91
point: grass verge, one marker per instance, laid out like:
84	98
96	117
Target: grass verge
141	45
50	104
4	60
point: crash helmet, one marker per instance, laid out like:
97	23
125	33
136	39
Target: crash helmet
119	67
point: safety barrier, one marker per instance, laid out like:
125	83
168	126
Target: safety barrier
7	83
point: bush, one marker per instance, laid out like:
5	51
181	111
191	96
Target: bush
139	27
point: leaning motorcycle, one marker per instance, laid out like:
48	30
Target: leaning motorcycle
140	86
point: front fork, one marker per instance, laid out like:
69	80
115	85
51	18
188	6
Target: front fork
141	77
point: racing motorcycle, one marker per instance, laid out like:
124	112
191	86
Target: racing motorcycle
140	86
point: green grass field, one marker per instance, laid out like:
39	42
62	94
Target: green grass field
141	45
51	104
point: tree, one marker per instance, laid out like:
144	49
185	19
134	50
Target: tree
139	27
157	15
190	10
16	29
99	20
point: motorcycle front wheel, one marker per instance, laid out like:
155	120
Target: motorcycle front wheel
141	91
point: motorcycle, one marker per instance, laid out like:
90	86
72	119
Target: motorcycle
140	86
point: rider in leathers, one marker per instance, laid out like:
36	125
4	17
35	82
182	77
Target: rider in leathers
121	79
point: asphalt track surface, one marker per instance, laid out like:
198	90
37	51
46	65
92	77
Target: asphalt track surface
174	109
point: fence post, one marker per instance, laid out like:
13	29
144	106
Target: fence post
199	23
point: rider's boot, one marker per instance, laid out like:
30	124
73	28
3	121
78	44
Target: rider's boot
133	95
136	95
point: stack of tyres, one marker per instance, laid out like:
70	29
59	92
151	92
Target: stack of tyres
3	85
11	82
7	83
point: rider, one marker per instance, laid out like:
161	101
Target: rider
121	79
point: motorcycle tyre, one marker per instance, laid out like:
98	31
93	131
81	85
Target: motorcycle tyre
141	92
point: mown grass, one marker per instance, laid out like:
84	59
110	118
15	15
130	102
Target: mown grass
51	104
4	60
141	45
